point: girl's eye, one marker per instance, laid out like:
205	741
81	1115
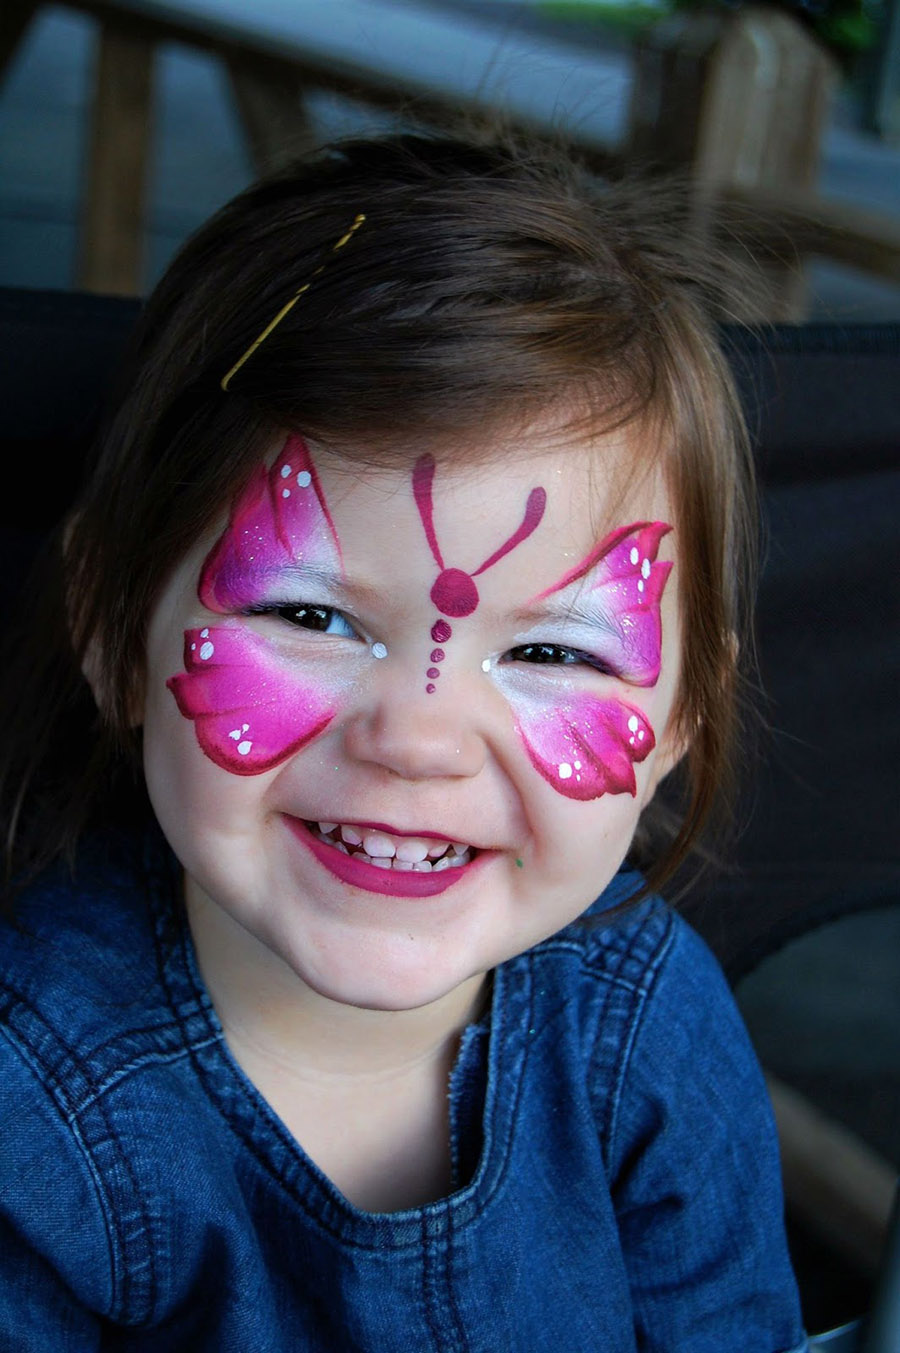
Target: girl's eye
558	655
323	619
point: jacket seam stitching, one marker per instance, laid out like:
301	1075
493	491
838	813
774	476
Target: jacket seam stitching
654	968
56	1092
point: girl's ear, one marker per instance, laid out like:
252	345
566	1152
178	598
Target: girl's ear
92	665
96	678
92	671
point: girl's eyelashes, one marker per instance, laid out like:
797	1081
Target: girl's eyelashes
329	620
309	616
557	655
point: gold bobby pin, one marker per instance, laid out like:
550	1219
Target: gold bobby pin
257	342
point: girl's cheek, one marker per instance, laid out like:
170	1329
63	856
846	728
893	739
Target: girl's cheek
250	713
583	746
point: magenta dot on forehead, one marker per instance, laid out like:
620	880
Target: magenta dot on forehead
437	655
454	593
440	631
430	690
433	672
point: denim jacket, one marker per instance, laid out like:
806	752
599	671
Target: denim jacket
617	1178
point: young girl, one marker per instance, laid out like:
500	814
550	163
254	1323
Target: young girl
409	567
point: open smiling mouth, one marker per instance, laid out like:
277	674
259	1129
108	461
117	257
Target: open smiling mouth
403	866
419	855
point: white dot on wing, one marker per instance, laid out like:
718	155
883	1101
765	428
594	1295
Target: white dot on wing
206	651
565	770
285	471
285	493
244	747
304	479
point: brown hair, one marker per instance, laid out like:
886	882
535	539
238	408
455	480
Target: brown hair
488	283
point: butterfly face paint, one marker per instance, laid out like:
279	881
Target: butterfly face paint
454	593
626	588
582	745
251	710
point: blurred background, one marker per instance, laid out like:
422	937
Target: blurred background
125	123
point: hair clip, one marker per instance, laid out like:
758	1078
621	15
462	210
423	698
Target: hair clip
257	342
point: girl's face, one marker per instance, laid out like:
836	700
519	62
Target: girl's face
400	725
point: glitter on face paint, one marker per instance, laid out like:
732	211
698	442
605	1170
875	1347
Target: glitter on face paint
624	580
250	710
268	533
584	746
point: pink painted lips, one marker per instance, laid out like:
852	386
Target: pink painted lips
358	873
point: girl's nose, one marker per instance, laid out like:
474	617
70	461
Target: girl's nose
417	735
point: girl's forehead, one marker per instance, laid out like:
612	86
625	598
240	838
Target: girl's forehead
543	495
588	477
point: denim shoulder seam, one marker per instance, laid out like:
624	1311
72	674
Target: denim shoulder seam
630	1018
21	1030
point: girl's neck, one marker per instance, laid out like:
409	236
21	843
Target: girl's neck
264	1007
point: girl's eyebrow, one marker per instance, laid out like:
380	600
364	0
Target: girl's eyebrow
302	575
581	608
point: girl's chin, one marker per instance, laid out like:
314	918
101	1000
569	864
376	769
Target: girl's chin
387	973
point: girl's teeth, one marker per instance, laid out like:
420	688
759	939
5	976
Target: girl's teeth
419	854
412	851
378	845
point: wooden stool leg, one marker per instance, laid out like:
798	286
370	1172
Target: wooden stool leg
270	105
111	253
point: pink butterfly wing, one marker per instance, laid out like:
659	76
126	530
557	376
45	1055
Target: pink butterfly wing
585	747
249	713
628	583
280	519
